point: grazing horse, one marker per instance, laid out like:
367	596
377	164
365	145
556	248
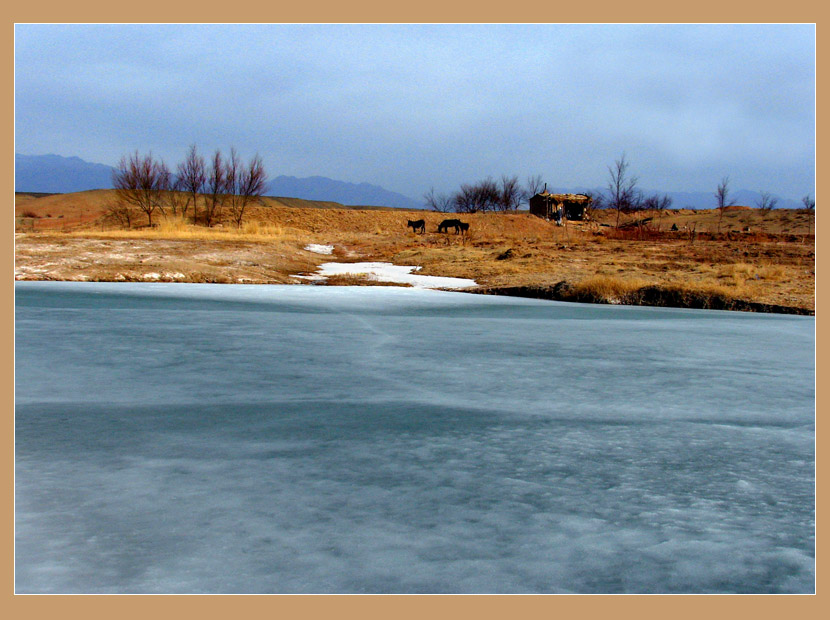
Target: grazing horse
464	226
417	225
447	224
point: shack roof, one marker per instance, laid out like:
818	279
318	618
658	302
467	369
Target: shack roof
563	197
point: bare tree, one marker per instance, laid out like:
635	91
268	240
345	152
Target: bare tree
487	195
657	202
533	185
192	176
121	213
245	184
722	196
622	188
233	168
216	188
464	200
143	182
483	196
510	194
176	197
598	200
437	202
766	202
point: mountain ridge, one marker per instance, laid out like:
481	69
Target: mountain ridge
59	174
323	188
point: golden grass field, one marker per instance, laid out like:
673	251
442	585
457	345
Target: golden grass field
762	257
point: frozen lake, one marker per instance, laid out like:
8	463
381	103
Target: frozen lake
231	438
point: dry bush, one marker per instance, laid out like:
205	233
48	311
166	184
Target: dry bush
613	289
741	272
774	273
704	290
173	225
120	214
262	229
737	269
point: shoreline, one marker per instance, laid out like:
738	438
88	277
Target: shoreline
769	270
650	296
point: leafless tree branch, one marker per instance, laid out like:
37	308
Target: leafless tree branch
143	182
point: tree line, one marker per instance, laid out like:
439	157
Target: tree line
620	194
202	190
507	194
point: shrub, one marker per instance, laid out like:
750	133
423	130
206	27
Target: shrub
608	289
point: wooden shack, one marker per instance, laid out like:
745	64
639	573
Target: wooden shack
554	206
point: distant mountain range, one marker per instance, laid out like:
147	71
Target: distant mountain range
61	175
322	188
56	174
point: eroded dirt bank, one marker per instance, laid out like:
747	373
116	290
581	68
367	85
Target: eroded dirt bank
646	296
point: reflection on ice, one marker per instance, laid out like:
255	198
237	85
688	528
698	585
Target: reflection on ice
216	438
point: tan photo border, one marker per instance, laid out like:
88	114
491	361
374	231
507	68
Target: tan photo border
335	607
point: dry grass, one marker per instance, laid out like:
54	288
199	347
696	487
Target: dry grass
178	229
501	250
745	271
705	290
609	288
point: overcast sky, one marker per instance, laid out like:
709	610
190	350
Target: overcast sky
410	107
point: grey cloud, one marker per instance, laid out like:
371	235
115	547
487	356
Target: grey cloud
409	107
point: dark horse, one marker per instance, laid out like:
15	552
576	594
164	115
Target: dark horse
417	225
447	224
464	226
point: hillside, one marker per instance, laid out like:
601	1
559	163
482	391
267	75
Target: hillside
38	212
69	211
762	258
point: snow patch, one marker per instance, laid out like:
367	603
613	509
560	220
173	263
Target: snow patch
319	248
387	272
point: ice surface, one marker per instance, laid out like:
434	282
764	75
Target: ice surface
230	438
387	272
